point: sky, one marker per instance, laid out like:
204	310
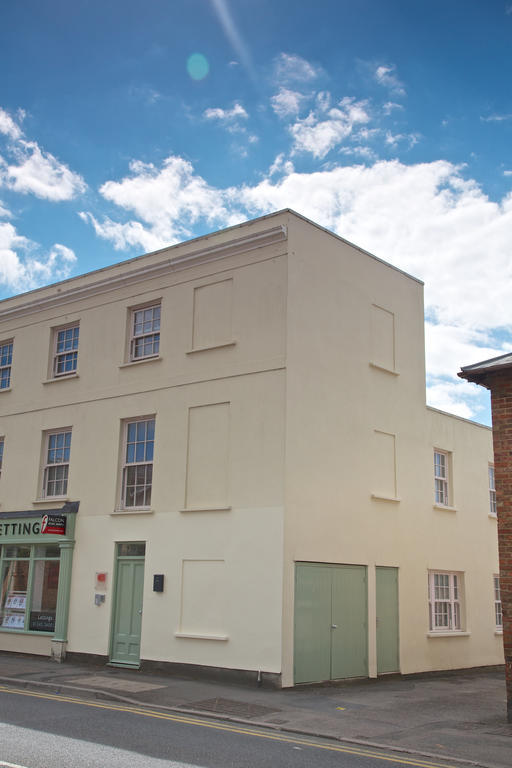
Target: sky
129	126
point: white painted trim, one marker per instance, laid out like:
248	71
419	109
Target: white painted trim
62	378
206	509
378	497
135	511
212	346
449	634
191	636
383	369
152	359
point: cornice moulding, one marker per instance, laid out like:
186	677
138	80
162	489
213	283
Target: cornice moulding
143	272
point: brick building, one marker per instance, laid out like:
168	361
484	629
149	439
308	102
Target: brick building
496	375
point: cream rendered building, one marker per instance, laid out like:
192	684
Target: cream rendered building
230	442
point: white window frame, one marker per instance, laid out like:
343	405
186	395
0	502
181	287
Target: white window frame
6	366
61	459
127	464
498	607
442	478
2	445
66	352
493	509
144	332
445	599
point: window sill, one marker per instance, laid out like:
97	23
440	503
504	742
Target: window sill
61	378
134	511
392	499
211	346
51	499
384	369
449	634
444	508
498	632
492	517
5	389
131	363
193	636
26	632
206	509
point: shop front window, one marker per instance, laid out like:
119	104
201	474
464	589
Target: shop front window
30	578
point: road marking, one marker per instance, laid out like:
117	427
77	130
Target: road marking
11	765
242	730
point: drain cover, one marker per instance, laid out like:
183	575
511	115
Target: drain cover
230	707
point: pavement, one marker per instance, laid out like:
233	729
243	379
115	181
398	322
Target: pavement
458	716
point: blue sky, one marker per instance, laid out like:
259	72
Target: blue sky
128	126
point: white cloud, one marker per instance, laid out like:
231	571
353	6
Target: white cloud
22	267
237	112
454	397
320	136
386	76
129	235
4	212
42	175
33	171
289	67
231	119
8	126
496	118
286	102
394	139
168	201
389	106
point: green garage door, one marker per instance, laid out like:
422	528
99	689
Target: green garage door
331	622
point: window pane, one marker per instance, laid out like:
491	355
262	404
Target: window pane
17	551
45	582
13	595
47	550
131	549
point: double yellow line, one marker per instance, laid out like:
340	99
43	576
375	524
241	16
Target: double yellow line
231	728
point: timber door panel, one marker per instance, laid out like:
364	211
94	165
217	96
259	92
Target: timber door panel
312	623
349	657
387	620
331	635
127	617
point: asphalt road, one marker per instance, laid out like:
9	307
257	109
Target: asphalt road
39	730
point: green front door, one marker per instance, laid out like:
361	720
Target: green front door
330	622
127	616
387	620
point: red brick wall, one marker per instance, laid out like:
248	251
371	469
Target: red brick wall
501	398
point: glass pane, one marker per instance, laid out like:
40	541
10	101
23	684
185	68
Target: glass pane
17	551
131	549
13	594
47	550
45	583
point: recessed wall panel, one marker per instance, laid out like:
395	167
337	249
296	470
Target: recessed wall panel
384	464
382	338
203	595
207	483
213	309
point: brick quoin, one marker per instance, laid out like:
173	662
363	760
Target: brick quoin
496	375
